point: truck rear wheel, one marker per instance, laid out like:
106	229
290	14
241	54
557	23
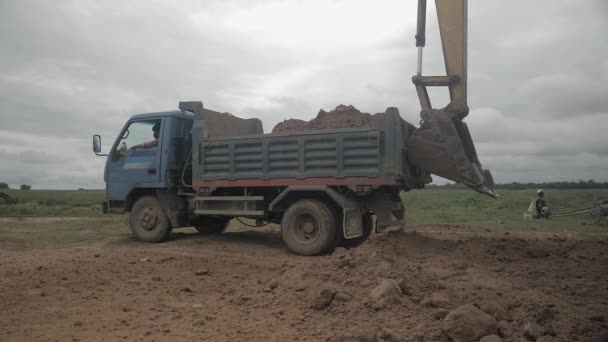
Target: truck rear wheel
148	220
211	225
309	228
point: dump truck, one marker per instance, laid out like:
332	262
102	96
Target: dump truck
325	188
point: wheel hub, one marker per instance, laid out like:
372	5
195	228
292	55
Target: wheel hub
148	219
305	228
308	227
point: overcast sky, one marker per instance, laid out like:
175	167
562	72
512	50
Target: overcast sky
538	75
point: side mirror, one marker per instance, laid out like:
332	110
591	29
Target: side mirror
97	145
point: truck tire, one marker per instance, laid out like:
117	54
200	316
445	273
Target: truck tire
148	220
309	228
211	225
367	230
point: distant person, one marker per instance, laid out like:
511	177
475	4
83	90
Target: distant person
151	143
542	209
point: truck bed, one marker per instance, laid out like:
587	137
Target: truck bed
362	156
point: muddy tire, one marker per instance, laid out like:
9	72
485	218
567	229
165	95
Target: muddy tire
148	220
367	230
309	228
211	225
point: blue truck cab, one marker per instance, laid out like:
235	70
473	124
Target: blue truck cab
140	162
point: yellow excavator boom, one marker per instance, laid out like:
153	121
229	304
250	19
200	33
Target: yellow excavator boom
443	144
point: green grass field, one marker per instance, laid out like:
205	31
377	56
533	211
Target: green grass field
54	203
439	206
432	206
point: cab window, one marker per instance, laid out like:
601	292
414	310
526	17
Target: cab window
139	135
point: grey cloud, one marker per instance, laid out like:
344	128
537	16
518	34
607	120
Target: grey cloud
499	134
48	162
533	169
551	48
41	157
538	76
565	95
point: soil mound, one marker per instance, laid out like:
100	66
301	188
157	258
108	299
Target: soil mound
341	117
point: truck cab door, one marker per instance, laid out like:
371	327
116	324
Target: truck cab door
135	158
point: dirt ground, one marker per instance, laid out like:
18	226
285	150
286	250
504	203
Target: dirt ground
245	286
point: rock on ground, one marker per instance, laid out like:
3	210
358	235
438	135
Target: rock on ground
343	297
405	288
546	315
495	310
324	298
387	288
504	329
386	294
532	331
468	323
438	300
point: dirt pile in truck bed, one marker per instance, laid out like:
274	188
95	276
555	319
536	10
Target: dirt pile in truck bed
341	117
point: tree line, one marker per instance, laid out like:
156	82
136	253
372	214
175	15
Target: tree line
22	187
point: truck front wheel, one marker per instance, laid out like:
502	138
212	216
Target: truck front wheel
309	228
148	220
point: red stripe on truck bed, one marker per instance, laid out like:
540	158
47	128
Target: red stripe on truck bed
224	183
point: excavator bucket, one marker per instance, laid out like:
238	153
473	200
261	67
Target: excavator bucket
443	146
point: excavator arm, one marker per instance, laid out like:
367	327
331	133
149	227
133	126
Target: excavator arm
443	145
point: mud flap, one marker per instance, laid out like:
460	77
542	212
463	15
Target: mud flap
388	208
443	146
353	223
